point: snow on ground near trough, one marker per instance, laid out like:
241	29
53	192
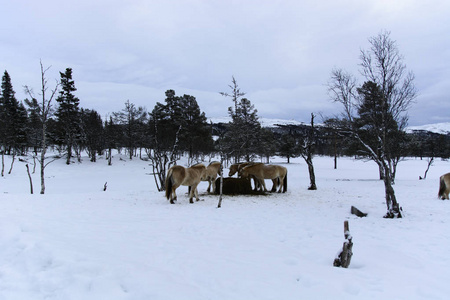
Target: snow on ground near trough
80	242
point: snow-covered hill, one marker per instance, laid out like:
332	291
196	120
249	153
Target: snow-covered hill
441	128
265	122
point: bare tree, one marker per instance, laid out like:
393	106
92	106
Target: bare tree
307	153
45	110
376	113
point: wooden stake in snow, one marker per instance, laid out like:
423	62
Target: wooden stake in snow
345	255
29	177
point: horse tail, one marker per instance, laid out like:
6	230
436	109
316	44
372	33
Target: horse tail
285	183
169	184
442	187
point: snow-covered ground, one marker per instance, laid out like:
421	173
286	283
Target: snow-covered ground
80	242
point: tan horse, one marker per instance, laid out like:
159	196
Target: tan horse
237	167
262	171
212	171
179	175
444	186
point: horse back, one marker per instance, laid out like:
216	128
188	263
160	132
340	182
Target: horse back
274	171
194	174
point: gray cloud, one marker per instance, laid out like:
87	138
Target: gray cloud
281	52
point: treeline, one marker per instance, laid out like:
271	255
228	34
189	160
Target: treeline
330	141
70	129
173	128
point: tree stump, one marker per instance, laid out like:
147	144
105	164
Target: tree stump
345	255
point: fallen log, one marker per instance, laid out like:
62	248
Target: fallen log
357	212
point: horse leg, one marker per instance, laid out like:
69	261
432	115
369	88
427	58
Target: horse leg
173	194
257	184
209	185
280	180
196	194
275	185
213	182
263	184
192	193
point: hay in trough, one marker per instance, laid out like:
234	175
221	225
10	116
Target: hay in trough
236	186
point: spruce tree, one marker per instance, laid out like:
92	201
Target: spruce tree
13	119
245	130
181	118
68	115
92	132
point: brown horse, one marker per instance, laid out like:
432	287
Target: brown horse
212	171
262	171
444	186
179	175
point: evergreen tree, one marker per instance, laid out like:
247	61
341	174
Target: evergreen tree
267	144
376	125
111	138
13	119
92	128
288	145
132	121
68	115
244	130
195	134
180	118
34	127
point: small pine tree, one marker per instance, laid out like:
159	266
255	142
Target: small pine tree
241	139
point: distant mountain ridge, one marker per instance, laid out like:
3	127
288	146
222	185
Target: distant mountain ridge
441	128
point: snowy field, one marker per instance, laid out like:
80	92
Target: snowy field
80	242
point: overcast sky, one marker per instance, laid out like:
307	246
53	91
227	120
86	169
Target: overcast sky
280	52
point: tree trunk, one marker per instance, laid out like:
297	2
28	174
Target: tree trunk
12	163
42	161
312	176
393	208
3	162
69	154
43	169
29	177
109	157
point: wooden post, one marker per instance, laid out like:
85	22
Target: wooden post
345	255
29	177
